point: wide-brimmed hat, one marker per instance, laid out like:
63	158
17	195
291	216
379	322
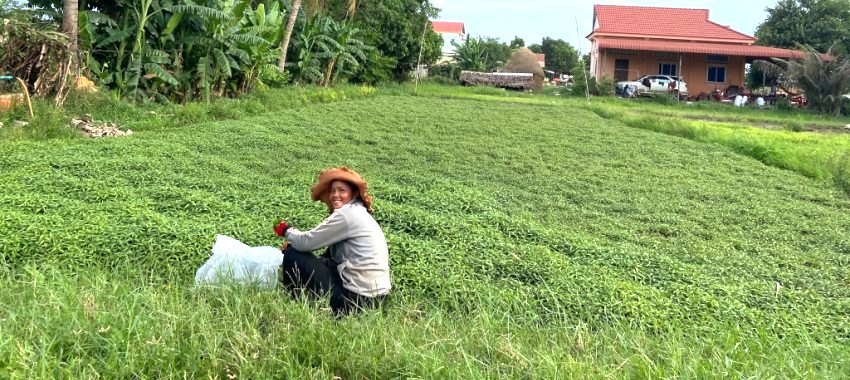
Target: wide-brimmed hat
321	190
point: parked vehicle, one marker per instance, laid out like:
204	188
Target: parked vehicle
653	84
557	79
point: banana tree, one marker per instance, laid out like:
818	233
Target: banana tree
117	63
313	46
346	53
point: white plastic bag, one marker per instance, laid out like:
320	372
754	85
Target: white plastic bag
234	261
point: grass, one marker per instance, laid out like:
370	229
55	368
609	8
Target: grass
814	154
51	123
778	138
526	241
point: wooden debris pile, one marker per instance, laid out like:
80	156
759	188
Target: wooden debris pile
514	81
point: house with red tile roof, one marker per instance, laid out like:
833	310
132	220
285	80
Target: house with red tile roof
450	31
541	60
628	42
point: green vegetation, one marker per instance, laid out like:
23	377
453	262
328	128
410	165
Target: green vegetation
813	145
822	24
50	122
814	154
185	50
529	238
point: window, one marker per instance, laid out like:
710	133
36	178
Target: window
667	69
717	58
717	74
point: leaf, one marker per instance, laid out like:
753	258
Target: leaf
261	14
202	11
161	73
222	62
173	21
249	39
97	18
241	54
239	9
114	37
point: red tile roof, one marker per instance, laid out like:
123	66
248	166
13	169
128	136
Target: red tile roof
661	22
699	48
448	27
541	57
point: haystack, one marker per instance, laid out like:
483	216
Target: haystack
525	61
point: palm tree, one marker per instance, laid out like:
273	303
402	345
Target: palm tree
824	78
293	15
70	9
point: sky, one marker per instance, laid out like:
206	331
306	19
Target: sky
533	20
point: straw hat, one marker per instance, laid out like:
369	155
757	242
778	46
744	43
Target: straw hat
321	190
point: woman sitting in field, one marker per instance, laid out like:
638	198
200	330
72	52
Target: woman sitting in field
355	268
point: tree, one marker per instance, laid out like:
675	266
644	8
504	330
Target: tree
346	52
154	49
394	28
496	53
823	77
70	9
284	44
481	54
5	7
517	42
817	23
561	57
471	55
537	48
337	9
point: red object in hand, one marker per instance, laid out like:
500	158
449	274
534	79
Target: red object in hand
280	228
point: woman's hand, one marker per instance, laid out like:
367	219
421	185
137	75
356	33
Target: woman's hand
280	228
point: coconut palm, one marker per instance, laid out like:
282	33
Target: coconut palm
70	12
290	24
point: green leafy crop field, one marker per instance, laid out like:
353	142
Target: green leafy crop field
526	240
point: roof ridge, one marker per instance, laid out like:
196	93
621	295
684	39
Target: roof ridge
729	28
707	11
673	22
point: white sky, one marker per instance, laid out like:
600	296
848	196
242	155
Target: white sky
532	20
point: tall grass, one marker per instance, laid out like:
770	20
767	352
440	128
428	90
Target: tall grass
127	324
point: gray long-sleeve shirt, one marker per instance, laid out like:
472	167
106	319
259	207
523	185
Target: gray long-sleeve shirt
356	242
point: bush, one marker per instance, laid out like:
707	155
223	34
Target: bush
445	73
191	113
49	122
580	85
784	104
605	87
665	99
840	168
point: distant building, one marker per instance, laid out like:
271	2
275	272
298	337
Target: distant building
451	32
541	60
629	42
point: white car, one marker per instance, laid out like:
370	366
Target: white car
653	84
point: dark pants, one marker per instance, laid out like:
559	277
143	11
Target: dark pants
304	274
